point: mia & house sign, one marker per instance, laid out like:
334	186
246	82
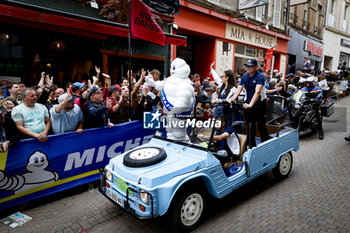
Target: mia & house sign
249	36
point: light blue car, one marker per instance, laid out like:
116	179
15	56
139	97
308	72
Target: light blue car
177	178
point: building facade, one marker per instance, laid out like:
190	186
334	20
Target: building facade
337	35
306	20
217	31
73	37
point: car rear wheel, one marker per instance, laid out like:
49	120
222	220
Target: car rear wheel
143	157
189	210
284	166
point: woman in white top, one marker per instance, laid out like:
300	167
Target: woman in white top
227	87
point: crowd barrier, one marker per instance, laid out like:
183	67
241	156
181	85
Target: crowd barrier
32	169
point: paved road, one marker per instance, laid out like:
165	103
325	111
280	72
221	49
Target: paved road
314	198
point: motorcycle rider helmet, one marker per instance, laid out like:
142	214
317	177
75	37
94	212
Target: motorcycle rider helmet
310	81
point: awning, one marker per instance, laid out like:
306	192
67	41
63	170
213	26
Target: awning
54	20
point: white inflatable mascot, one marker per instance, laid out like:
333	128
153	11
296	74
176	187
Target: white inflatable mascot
177	96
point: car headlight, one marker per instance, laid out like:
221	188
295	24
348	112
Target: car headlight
144	196
109	175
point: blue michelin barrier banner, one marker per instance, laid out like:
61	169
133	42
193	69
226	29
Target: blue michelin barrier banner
33	169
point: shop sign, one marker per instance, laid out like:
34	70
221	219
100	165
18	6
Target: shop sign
245	4
314	49
249	36
345	43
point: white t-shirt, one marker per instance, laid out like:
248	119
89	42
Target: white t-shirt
33	118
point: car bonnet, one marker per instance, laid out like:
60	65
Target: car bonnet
180	160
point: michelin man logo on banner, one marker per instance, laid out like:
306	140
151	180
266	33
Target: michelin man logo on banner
177	96
36	175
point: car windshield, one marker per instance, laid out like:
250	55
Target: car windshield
195	129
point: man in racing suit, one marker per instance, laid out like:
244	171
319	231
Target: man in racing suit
312	91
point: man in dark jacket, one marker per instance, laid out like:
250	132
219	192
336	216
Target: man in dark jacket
95	112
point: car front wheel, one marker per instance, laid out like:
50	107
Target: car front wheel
284	166
189	210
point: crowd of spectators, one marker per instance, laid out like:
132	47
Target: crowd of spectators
54	106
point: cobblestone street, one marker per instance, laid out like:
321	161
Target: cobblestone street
314	198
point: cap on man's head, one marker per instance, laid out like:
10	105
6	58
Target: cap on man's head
275	71
78	84
114	88
251	62
94	90
63	96
209	88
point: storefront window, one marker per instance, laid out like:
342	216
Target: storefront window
344	57
11	57
249	51
243	54
240	49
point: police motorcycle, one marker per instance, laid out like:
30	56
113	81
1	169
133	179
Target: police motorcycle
301	109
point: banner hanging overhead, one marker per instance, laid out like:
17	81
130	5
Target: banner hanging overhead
143	25
245	4
269	53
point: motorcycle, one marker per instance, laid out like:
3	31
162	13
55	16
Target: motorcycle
302	110
297	109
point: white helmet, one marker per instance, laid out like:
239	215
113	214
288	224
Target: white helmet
310	79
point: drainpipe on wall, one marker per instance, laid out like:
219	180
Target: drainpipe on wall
287	17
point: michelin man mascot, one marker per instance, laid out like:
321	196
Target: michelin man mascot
177	97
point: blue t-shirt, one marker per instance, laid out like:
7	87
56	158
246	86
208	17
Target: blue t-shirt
250	84
222	145
65	121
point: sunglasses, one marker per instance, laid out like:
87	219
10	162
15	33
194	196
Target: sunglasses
248	66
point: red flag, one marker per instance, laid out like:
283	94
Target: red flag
269	53
143	24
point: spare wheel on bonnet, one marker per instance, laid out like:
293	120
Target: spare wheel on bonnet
144	156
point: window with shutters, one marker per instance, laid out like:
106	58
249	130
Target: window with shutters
259	13
332	6
330	20
277	13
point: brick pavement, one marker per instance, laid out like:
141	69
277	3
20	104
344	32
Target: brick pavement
314	198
